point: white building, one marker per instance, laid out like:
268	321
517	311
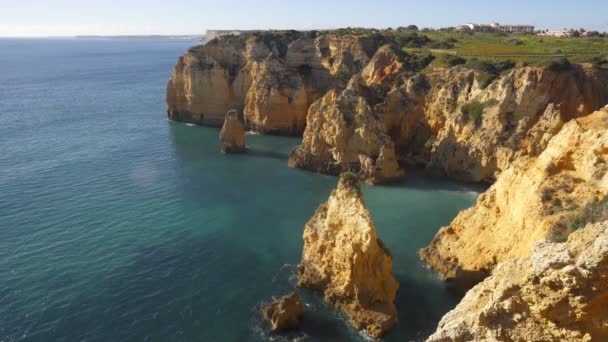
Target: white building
558	33
496	27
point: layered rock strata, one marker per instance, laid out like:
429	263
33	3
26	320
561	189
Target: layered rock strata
283	313
559	293
344	258
232	135
273	78
537	198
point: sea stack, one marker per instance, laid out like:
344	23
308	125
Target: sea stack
284	313
232	135
344	258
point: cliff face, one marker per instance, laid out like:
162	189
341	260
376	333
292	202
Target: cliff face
344	133
559	293
454	121
272	78
518	115
344	258
446	120
544	197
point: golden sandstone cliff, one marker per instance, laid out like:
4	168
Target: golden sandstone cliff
537	198
272	78
559	293
344	258
363	106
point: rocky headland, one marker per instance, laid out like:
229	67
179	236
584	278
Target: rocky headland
558	293
537	134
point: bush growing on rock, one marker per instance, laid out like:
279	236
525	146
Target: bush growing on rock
559	65
449	61
474	111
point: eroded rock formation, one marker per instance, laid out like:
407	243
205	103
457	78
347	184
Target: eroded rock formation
544	197
273	78
457	122
344	258
283	313
559	293
345	134
232	135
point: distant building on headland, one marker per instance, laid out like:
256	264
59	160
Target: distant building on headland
558	33
212	34
496	27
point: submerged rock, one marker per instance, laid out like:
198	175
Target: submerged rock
538	198
283	313
559	293
232	135
344	258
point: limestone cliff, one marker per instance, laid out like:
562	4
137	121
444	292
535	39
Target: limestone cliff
448	120
537	198
559	293
345	133
478	132
460	122
344	258
273	78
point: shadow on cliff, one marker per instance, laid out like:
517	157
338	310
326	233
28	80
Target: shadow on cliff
418	179
420	309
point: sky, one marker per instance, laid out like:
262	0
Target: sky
37	18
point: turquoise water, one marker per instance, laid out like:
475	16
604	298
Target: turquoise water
117	225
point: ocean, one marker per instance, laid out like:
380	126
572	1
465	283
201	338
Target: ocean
118	225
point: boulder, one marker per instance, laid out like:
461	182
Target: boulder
283	313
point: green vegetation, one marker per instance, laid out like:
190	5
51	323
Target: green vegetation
474	111
429	143
593	212
351	180
448	61
530	49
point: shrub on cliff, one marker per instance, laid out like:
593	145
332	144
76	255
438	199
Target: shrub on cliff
559	65
474	111
351	180
448	61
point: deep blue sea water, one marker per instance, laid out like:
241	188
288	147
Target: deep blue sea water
117	225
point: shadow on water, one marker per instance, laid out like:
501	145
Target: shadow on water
417	179
419	312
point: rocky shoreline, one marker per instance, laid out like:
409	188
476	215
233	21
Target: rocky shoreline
539	135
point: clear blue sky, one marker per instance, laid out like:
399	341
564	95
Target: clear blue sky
72	17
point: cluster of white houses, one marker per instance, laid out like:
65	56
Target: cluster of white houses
496	27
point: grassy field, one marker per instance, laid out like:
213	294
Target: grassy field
528	49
